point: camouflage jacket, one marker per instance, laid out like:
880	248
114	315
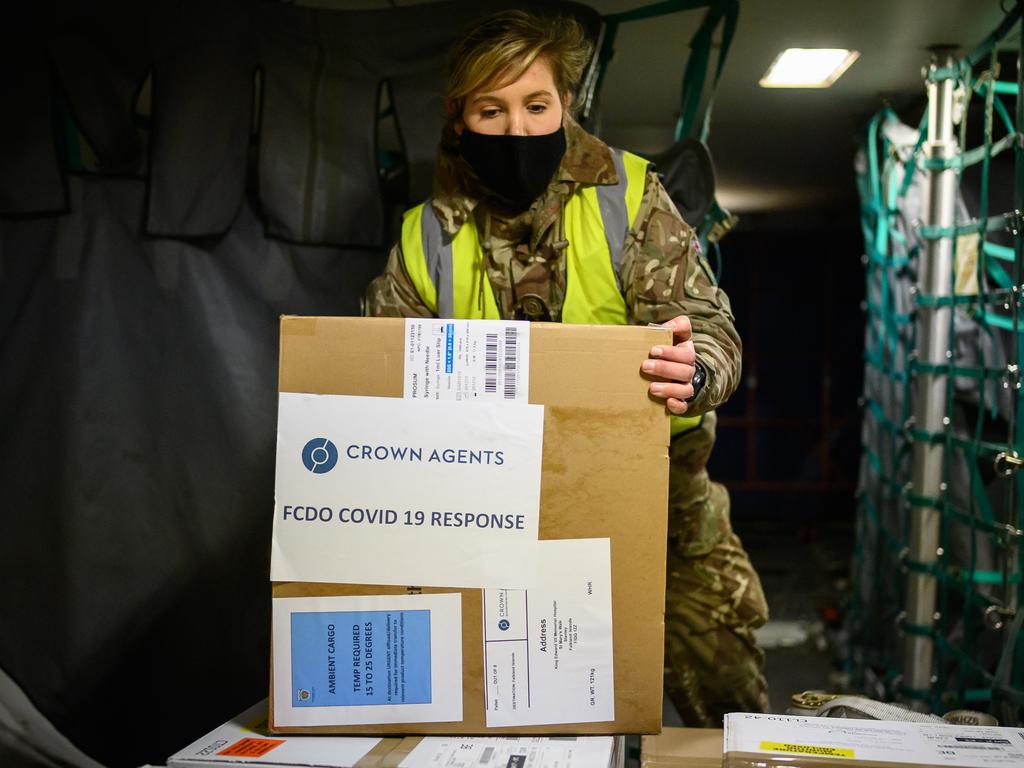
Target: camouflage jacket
663	272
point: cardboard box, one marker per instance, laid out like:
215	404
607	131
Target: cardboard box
604	474
484	752
787	741
245	740
683	748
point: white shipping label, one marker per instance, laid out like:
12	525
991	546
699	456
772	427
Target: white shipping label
511	752
548	649
467	360
379	490
874	740
367	660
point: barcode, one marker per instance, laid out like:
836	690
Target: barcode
973	746
486	756
511	362
491	363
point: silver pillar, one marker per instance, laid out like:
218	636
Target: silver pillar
935	271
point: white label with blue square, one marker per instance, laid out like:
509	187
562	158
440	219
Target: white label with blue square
467	360
368	659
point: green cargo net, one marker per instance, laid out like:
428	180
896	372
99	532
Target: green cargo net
978	642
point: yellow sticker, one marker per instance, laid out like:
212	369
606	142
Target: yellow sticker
806	749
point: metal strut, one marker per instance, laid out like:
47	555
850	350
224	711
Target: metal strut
934	323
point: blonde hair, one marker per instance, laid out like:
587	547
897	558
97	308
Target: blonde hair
499	48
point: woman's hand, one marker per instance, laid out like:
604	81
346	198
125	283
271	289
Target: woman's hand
676	364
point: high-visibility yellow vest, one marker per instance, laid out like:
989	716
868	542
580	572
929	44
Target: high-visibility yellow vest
447	271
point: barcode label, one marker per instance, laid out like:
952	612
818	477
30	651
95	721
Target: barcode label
475	360
510	752
973	746
491	363
511	361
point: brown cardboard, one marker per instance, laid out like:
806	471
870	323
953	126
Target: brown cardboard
683	748
378	756
399	752
604	474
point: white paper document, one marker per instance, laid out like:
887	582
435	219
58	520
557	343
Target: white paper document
468	360
245	739
548	649
874	740
367	659
511	752
378	490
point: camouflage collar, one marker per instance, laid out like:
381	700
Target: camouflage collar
587	160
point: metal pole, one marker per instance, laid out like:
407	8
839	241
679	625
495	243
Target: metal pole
933	347
1016	431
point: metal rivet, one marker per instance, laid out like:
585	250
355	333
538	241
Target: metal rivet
995	616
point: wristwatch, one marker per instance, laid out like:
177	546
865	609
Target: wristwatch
700	375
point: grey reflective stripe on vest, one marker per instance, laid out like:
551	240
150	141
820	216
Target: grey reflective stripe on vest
611	199
437	250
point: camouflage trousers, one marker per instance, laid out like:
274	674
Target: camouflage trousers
713	596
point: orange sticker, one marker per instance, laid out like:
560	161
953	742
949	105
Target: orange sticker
249	747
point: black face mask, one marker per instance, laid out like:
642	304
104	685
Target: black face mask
517	168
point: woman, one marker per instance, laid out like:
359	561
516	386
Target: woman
533	218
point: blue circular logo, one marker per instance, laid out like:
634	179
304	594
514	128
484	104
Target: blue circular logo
319	455
503	625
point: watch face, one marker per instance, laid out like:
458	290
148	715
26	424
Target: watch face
698	380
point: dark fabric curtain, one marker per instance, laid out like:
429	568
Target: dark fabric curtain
138	410
145	258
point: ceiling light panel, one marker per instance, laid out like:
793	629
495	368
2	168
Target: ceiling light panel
808	67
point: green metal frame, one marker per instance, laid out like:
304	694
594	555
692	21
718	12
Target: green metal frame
980	597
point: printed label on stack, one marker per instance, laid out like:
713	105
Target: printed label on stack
777	739
548	649
383	490
475	360
503	752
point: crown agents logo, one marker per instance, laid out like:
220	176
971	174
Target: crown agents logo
319	455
